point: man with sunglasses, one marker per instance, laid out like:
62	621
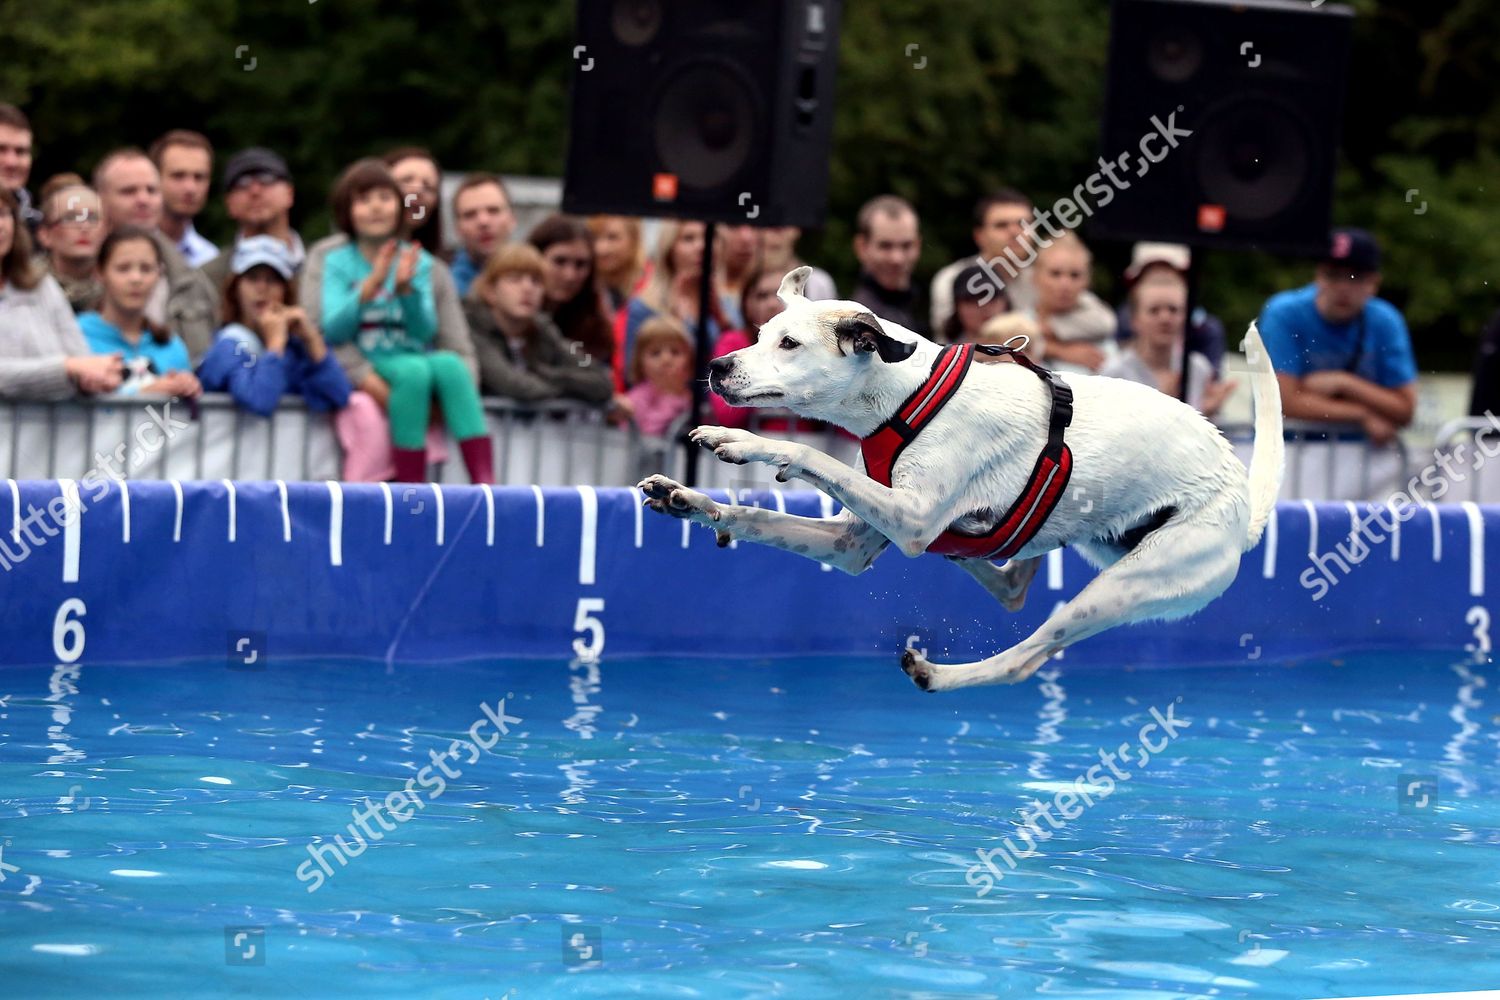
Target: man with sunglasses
258	193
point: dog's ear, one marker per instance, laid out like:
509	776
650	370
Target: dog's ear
862	331
793	284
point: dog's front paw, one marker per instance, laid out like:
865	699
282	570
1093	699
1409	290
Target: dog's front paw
730	444
667	496
739	447
711	436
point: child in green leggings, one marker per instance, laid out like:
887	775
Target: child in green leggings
378	294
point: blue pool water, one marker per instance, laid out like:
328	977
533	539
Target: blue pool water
702	828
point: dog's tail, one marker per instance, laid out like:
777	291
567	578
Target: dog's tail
1270	450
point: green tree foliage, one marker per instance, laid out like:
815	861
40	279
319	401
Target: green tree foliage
1009	93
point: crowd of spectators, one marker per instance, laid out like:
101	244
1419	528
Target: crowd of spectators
107	286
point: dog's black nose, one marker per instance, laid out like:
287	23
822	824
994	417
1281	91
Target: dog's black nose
721	366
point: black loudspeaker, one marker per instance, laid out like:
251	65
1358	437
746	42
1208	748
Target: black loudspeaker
719	110
1259	84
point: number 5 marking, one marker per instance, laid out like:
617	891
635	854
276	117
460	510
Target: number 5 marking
583	621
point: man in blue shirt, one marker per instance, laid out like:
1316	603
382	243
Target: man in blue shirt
1341	354
485	220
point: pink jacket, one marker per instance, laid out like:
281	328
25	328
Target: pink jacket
655	410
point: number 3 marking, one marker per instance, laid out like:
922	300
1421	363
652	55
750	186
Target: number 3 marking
1479	617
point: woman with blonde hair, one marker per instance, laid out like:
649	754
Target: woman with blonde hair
1158	314
672	289
1079	327
619	257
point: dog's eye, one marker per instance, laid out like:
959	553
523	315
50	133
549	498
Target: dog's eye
788	344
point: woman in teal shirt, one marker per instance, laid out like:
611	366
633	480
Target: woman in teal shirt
377	293
130	265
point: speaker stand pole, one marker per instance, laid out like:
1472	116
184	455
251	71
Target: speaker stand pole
1187	325
700	355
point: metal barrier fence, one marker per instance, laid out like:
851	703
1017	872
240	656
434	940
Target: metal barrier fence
1469	444
546	444
1331	461
158	438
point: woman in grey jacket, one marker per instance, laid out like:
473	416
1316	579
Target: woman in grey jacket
522	356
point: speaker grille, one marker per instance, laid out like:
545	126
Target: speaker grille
704	109
705	124
1254	158
1259	84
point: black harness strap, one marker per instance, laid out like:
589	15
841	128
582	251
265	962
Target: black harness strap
1062	394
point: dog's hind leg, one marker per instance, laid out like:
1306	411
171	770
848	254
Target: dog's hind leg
1173	572
1009	584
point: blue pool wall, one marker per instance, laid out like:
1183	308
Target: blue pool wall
261	572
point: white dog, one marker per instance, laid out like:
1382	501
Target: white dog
985	461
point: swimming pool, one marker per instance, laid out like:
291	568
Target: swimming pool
707	827
204	686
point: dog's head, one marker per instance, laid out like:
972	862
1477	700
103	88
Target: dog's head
814	358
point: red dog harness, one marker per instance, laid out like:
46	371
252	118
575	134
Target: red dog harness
1049	477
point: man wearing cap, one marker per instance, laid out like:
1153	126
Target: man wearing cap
1341	354
183	301
1205	331
258	193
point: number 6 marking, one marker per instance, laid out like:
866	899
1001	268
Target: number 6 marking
67	632
583	621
